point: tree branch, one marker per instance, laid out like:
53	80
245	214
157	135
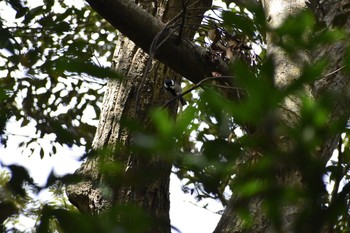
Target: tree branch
195	87
185	58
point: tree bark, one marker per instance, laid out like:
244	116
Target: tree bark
286	71
120	99
141	27
141	180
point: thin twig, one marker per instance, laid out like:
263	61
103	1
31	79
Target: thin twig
338	175
153	48
98	62
165	39
325	3
227	87
335	71
182	22
194	87
290	111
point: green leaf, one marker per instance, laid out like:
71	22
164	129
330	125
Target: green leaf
42	153
250	188
76	65
297	25
239	22
162	121
32	13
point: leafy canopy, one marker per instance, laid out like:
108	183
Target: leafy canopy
51	78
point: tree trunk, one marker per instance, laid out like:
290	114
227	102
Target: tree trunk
136	179
119	103
287	70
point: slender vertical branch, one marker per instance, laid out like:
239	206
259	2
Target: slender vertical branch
182	26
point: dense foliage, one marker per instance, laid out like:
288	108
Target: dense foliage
50	63
50	76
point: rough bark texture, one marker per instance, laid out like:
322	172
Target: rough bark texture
142	180
336	80
120	98
286	71
141	27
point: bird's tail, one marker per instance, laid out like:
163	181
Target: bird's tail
182	101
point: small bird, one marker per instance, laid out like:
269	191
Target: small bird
174	89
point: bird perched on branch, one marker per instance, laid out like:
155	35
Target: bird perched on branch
174	89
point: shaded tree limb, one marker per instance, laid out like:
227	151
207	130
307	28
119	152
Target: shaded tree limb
186	58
